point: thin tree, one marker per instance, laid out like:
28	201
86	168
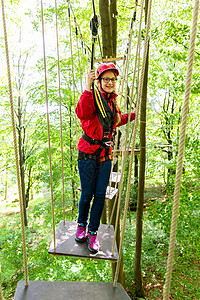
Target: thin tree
21	129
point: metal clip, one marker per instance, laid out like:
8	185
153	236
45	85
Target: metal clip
109	143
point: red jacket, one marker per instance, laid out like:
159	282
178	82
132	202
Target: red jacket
86	112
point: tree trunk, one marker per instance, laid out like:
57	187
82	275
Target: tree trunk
104	9
21	129
113	14
21	159
138	252
27	196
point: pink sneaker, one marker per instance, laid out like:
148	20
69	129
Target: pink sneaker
93	243
80	233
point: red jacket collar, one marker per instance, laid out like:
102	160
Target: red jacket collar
105	95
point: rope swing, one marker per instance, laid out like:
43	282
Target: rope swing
185	111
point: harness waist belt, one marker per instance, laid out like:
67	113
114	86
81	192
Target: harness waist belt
85	156
105	142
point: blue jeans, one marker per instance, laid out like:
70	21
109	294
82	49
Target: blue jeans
94	177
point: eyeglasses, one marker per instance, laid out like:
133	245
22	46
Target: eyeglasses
107	79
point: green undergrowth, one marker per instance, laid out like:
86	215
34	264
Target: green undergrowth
185	282
41	265
156	233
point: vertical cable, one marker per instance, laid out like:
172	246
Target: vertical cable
79	61
48	127
60	103
72	62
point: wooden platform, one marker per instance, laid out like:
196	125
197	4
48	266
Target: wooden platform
67	245
59	290
118	152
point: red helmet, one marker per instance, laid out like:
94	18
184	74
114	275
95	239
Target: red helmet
105	67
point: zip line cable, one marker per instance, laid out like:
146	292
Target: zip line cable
60	103
15	146
185	111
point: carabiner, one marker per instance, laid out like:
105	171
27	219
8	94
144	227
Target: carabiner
109	143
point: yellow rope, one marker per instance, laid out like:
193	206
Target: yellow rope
99	102
133	143
60	102
181	152
15	146
48	128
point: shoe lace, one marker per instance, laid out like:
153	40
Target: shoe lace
92	238
80	229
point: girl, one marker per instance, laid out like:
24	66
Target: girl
95	147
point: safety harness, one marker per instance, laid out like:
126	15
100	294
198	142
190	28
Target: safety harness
107	125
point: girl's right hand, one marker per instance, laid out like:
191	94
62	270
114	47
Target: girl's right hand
91	78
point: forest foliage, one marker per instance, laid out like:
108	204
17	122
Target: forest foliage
169	43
